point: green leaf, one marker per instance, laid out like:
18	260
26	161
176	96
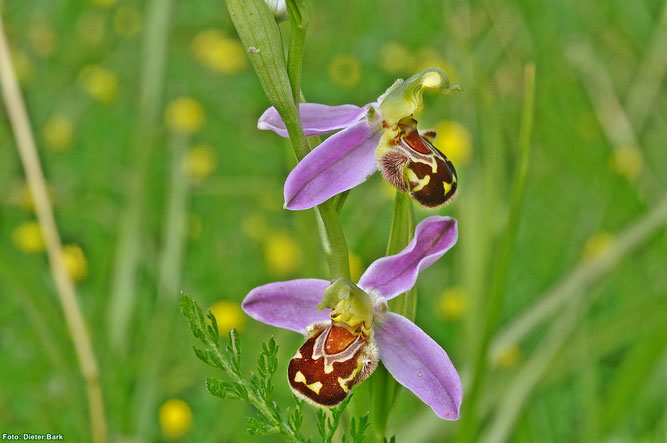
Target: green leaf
208	357
212	329
225	390
359	432
191	311
259	427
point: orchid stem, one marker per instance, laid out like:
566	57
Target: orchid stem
497	291
67	296
383	387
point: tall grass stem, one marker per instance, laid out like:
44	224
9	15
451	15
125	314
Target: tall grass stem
76	324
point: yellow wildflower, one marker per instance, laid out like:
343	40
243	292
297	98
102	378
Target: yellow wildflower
597	246
254	226
452	303
282	254
395	58
200	162
228	315
57	132
127	21
184	115
75	262
345	70
454	140
627	161
175	418
98	82
91	28
509	356
215	51
43	39
28	238
21	196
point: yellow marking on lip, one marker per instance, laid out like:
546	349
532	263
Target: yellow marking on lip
344	381
315	387
412	177
298	354
447	186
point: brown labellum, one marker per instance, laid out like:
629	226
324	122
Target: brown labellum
414	165
331	361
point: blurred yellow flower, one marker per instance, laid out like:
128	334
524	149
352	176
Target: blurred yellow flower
42	38
23	66
428	57
22	197
228	315
282	254
57	132
184	115
200	162
75	262
596	246
28	238
344	70
509	356
454	140
175	418
355	266
215	51
627	161
127	21
98	82
254	226
395	58
91	28
452	303
104	3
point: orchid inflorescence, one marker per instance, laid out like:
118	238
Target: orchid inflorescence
348	326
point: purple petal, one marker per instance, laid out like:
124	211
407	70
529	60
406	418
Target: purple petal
288	304
316	119
393	275
343	161
417	362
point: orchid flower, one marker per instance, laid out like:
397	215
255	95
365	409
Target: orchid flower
343	345
380	135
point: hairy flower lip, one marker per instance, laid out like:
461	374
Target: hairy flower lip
411	356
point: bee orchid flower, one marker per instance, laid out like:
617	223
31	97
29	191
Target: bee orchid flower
380	135
348	327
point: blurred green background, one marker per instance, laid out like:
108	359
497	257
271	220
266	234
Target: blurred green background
581	352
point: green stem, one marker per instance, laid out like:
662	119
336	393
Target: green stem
299	17
122	300
169	276
469	417
383	387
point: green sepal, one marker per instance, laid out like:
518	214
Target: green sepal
404	98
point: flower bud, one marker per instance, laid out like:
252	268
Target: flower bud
278	9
